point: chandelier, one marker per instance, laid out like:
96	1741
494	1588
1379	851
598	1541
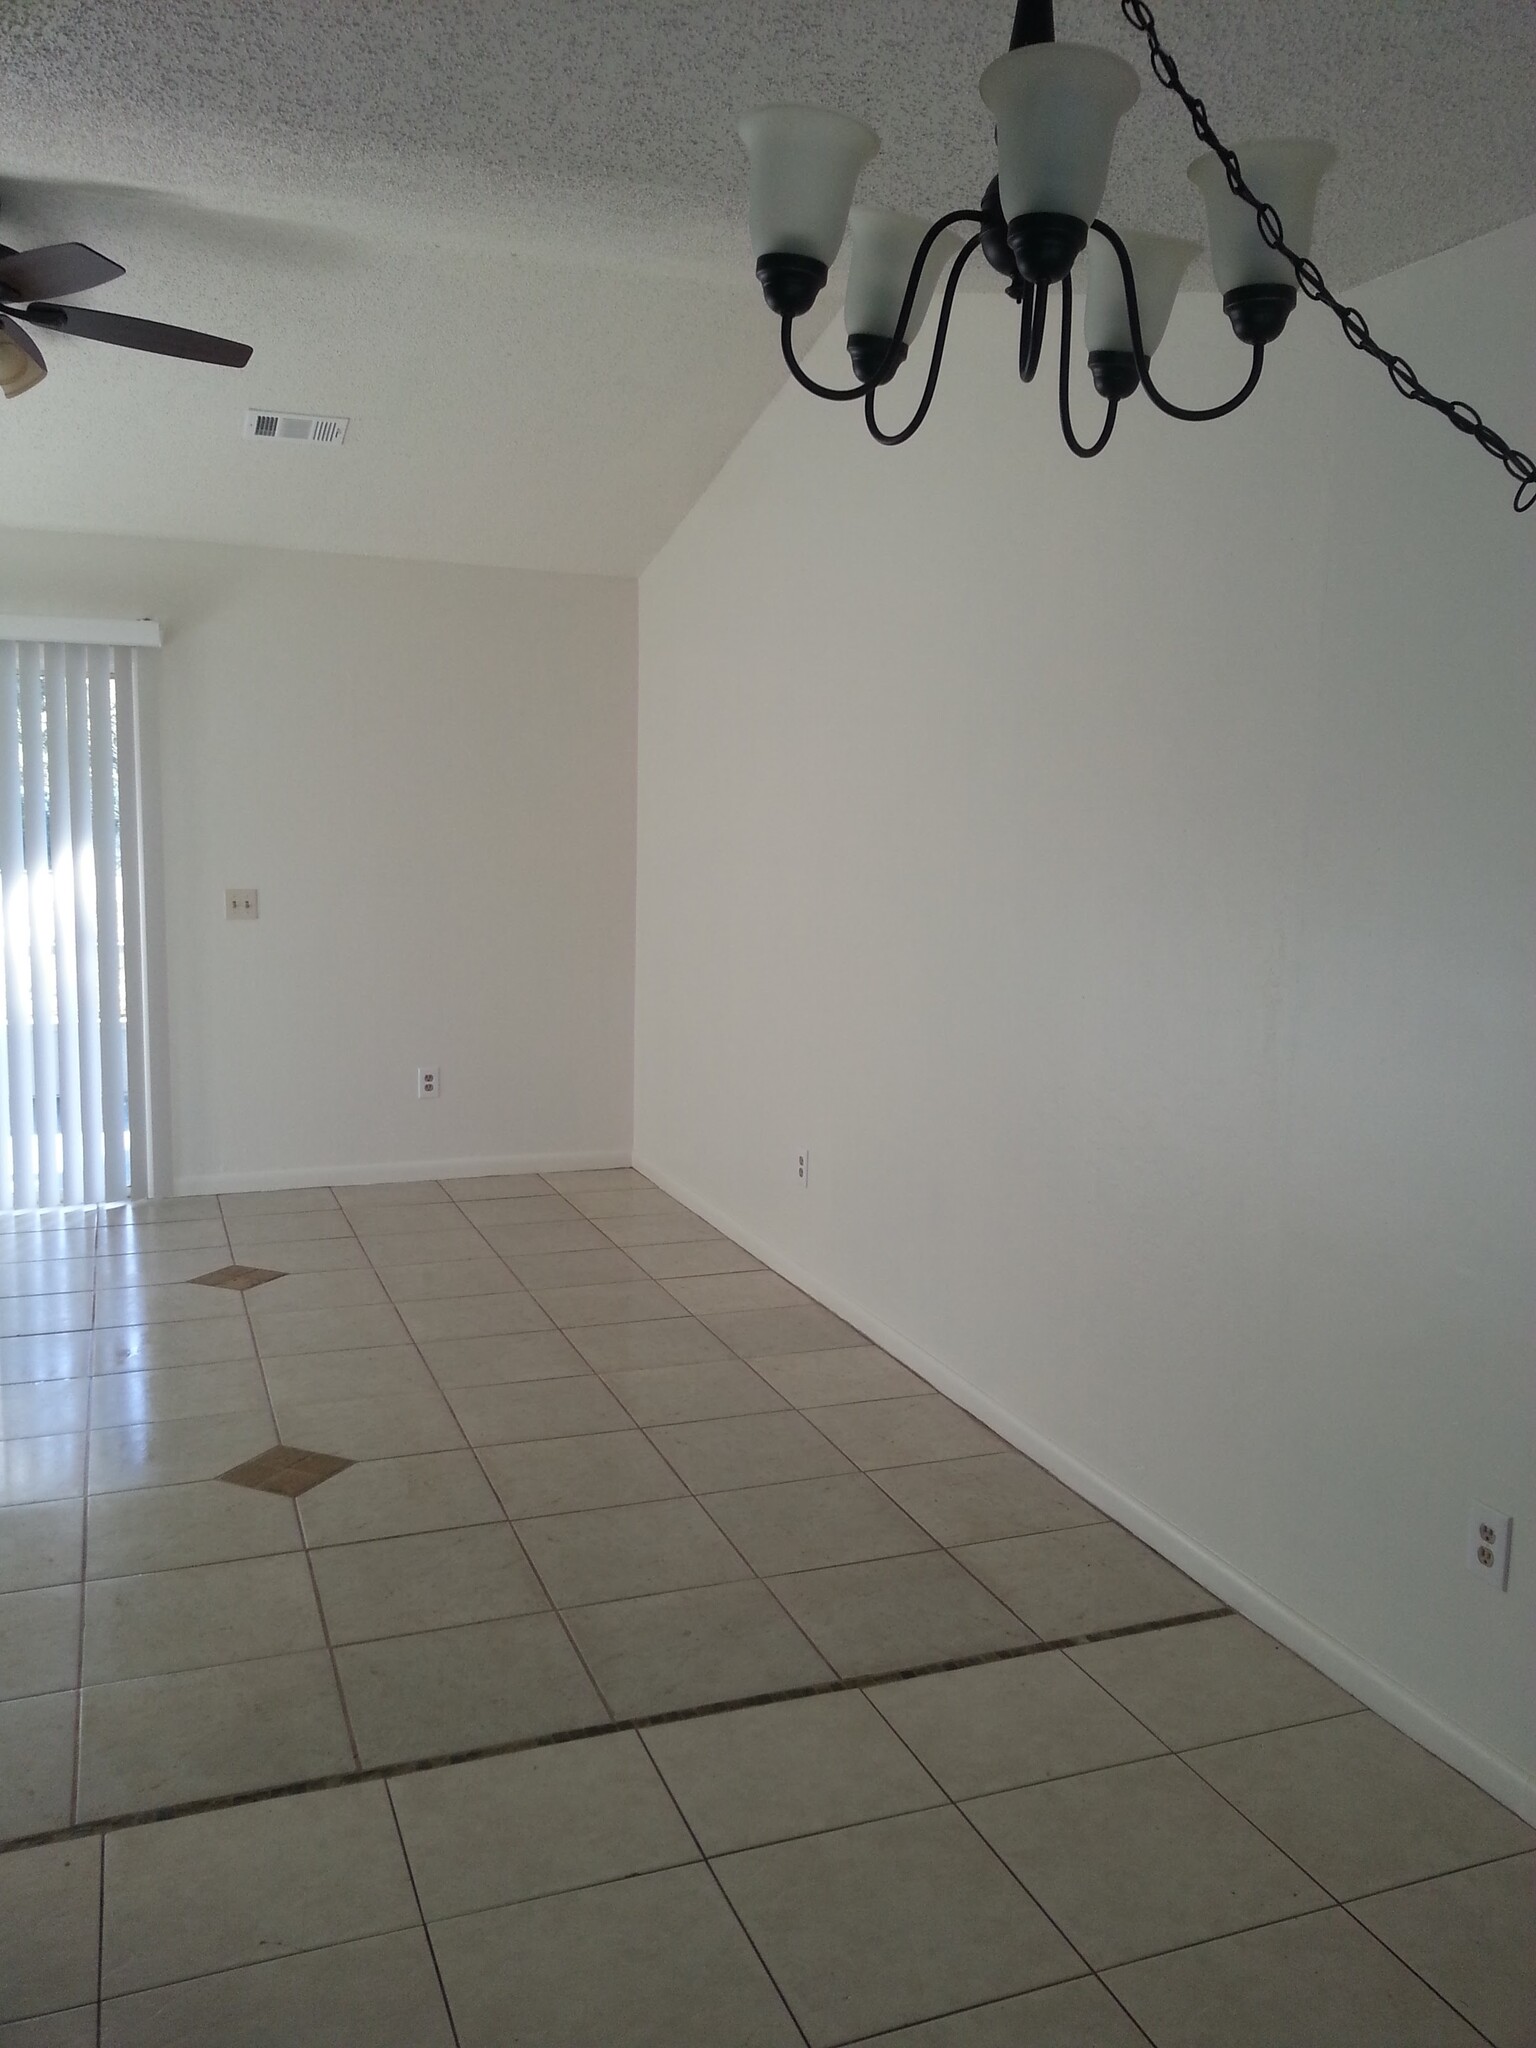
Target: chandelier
1056	107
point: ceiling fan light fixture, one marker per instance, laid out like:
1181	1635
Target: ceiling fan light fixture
1057	106
804	163
19	370
31	280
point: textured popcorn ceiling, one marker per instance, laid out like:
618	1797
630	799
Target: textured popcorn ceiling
508	239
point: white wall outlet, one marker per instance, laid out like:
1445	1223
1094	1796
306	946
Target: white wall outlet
429	1081
803	1167
1488	1537
241	903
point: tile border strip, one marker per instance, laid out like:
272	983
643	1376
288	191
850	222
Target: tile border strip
107	1824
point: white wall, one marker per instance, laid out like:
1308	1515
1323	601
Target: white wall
428	773
1121	875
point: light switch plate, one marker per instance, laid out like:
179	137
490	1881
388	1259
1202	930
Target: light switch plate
241	903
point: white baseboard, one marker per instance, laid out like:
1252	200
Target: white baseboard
235	1182
1495	1773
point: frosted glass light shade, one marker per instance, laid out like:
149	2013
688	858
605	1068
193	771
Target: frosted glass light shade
19	370
1057	106
1286	176
883	248
804	162
1158	264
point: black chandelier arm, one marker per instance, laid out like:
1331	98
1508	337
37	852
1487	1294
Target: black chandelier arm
803	377
1144	361
1065	388
1031	330
909	298
952	285
1465	418
966	214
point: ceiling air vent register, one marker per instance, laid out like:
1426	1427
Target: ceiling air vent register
295	426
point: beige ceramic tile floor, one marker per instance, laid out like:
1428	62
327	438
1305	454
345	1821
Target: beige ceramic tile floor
807	1710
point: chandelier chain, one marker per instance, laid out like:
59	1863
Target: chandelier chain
1310	279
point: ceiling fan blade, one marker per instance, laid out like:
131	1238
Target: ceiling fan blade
153	336
21	360
55	272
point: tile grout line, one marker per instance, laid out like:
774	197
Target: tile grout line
715	1880
523	1552
101	1933
731	1351
77	1747
688	1491
1335	1903
1456	1870
989	2005
1121	2006
687	1494
998	1858
553	1608
1097	1971
1262	1926
1347	1907
1190	1748
309	1563
113	1823
410	1871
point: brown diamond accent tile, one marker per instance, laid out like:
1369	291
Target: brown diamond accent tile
285	1469
241	1277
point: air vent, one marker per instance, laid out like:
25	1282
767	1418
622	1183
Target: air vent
294	426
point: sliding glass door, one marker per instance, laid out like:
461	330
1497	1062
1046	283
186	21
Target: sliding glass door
72	1103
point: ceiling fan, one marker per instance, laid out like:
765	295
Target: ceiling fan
32	279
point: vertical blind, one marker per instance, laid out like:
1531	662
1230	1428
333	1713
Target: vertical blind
71	935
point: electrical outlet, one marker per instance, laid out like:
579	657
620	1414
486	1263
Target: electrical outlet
241	903
1488	1537
429	1081
803	1167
